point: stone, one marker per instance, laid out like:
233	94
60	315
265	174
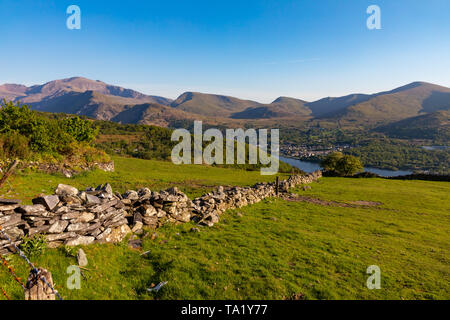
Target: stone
33	231
131	195
77	227
9	201
195	230
49	202
70	200
58	226
118	234
60	236
90	199
70	215
9	207
15	233
37	208
135	244
64	189
10	220
55	244
104	206
108	189
104	234
84	217
79	241
81	258
137	226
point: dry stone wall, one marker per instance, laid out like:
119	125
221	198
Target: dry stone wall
72	217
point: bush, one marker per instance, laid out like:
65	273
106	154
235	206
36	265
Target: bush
25	134
33	247
14	146
344	165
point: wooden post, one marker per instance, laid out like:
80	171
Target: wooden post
8	172
36	289
277	186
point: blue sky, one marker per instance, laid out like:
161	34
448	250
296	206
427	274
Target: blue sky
250	49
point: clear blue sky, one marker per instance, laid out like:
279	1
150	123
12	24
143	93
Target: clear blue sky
250	49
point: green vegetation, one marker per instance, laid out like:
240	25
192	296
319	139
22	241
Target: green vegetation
27	135
34	246
134	174
275	250
375	149
343	165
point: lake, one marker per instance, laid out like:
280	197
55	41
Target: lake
309	167
432	148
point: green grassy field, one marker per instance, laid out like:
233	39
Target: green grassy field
274	250
131	173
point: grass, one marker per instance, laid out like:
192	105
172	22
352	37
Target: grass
277	248
133	173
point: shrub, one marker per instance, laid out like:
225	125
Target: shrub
14	146
34	246
344	165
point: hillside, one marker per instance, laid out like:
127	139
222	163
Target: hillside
279	108
99	100
277	249
153	114
404	102
50	90
211	104
435	125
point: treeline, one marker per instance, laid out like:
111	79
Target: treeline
388	154
28	135
373	148
151	142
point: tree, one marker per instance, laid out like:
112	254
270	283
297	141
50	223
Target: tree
330	162
345	165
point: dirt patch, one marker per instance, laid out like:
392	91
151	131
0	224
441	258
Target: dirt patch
366	203
354	204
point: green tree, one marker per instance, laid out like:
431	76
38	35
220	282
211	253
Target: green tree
331	161
345	165
349	165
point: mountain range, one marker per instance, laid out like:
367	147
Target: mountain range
102	101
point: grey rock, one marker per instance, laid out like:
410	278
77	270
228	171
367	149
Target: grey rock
77	227
64	189
90	199
37	208
60	236
81	258
58	226
49	202
79	241
10	201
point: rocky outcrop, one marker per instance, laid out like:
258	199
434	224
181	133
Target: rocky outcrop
72	217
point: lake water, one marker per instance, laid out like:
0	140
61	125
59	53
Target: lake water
431	148
309	167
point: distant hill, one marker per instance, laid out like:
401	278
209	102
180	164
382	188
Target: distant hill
39	93
211	104
153	114
78	96
279	108
429	126
330	105
102	101
401	103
